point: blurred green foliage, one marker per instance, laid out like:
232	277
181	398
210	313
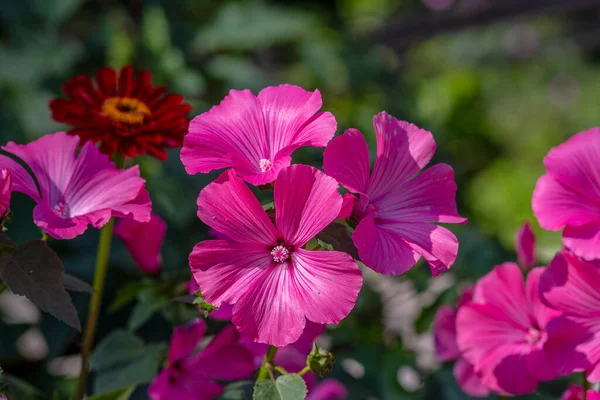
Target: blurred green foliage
496	98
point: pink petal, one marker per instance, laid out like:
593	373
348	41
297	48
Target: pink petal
346	159
571	285
269	311
525	246
556	206
584	240
292	118
444	334
226	270
381	249
429	197
503	288
540	312
504	370
311	332
139	209
228	206
574	163
5	191
436	244
224	313
574	392
143	241
541	366
568	345
326	284
306	201
21	179
66	228
468	380
224	358
349	201
329	389
233	129
402	150
185	339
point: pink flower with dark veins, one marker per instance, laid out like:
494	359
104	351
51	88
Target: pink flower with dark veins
5	191
396	210
191	375
273	283
77	189
256	135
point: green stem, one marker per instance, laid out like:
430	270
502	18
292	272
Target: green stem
94	310
280	370
263	373
586	385
304	371
44	237
3	287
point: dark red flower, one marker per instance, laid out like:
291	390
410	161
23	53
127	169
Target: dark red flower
131	116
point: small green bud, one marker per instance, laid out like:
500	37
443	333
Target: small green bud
320	361
208	308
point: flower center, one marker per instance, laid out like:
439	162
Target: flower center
61	209
265	165
125	109
280	254
533	336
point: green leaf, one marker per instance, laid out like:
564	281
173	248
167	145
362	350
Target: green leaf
36	272
145	309
241	390
286	387
140	371
126	295
425	318
208	308
338	237
76	285
117	348
7	246
155	29
21	390
121	394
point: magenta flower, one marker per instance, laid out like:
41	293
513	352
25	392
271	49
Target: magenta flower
525	246
568	195
575	392
446	347
503	330
143	240
273	283
5	191
329	389
191	376
395	208
76	190
256	135
570	285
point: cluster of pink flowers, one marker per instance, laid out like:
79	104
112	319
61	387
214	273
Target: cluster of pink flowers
508	334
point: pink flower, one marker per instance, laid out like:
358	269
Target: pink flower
329	389
5	191
444	336
76	190
575	392
256	135
190	375
273	283
525	246
503	330
568	195
570	285
396	208
143	240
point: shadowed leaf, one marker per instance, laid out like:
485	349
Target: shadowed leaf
76	285
338	237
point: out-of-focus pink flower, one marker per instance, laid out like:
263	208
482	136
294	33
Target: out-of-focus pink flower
144	241
5	191
191	376
444	336
502	331
348	203
396	209
273	283
76	190
575	392
256	135
570	285
525	246
329	389
568	195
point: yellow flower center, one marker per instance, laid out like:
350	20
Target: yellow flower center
125	109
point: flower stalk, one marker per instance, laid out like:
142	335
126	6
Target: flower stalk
263	373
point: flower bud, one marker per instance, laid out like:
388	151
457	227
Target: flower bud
320	361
